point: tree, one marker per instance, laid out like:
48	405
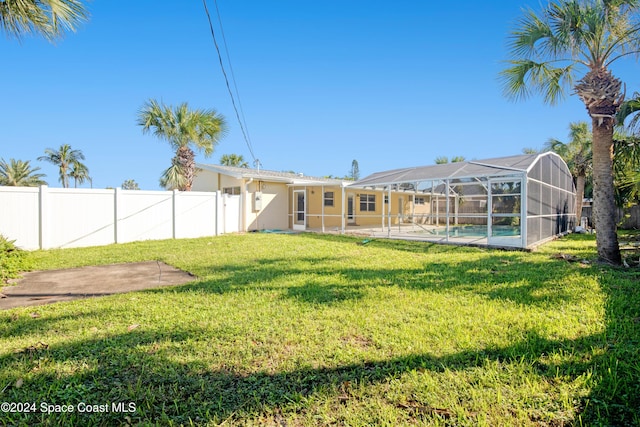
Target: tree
355	171
236	160
577	154
48	18
80	173
443	160
130	184
182	128
530	150
627	148
548	50
626	167
67	160
18	173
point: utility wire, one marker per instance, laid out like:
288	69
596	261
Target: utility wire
226	79
233	77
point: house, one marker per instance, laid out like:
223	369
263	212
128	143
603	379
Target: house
275	200
283	200
516	201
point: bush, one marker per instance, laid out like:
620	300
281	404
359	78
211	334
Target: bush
13	260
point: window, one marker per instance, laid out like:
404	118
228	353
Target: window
367	203
328	198
419	200
233	191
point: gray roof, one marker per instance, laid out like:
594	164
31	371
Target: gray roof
268	175
502	166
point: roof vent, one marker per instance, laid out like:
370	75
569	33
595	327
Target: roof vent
300	174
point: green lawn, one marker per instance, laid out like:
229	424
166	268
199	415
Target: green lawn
317	330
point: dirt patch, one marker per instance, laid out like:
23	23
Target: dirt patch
45	287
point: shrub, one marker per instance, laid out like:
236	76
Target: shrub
13	260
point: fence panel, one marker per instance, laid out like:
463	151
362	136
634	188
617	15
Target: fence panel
19	216
197	214
76	218
60	217
144	215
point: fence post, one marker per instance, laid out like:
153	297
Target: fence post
116	207
43	224
216	214
173	213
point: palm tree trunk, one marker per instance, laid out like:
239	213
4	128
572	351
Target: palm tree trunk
580	182
186	159
604	207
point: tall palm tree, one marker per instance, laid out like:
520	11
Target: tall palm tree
66	159
577	154
18	173
548	50
183	128
236	160
48	18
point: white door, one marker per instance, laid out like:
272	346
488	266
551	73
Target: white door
299	215
351	218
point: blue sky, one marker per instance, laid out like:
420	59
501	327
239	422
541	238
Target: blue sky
390	84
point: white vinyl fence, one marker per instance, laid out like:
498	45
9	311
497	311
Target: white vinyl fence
43	217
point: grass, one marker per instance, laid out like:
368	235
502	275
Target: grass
12	260
318	330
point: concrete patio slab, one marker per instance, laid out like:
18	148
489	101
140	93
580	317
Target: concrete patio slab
45	287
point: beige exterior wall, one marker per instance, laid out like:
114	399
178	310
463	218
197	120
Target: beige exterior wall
205	181
400	205
274	212
277	203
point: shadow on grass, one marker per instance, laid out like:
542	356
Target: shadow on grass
167	389
129	368
331	280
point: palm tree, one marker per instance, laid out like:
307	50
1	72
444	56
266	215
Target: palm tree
66	159
627	169
547	50
183	128
577	154
130	184
48	18
80	173
236	160
18	173
441	160
627	142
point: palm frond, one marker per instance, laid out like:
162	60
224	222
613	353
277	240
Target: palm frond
19	173
49	18
526	77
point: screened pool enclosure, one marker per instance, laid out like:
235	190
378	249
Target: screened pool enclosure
518	201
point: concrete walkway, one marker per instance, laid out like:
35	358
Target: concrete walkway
45	287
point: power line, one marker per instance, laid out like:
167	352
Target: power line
233	77
226	79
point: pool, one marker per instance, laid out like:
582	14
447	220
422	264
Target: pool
476	231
